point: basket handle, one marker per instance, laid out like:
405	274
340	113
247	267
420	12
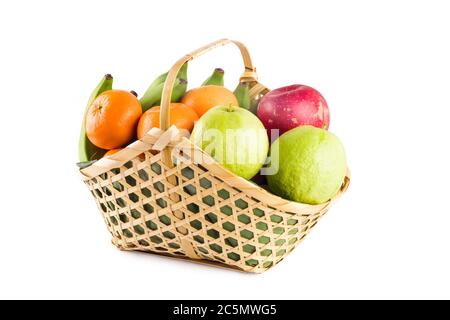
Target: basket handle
249	73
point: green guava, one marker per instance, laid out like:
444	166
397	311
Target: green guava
234	137
311	165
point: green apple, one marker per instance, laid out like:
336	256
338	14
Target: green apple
234	137
311	165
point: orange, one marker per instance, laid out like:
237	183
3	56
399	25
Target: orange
181	116
111	152
112	118
204	98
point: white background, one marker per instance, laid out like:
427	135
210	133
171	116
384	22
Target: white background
383	66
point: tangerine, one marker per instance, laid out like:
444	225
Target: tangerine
111	152
181	116
112	118
204	98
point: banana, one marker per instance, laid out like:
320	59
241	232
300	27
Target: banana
216	78
242	93
162	78
86	150
152	96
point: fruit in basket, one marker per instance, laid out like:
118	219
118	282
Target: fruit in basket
234	137
181	116
216	78
292	106
87	151
204	98
242	93
311	165
111	152
112	119
152	96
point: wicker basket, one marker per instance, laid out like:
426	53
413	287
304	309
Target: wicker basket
163	195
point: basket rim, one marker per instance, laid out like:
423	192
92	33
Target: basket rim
249	188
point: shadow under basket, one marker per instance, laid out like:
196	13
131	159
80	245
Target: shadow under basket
163	195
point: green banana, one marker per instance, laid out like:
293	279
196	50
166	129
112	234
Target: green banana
86	150
242	93
216	78
162	78
152	96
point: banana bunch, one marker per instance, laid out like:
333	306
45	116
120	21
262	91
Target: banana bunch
86	150
152	97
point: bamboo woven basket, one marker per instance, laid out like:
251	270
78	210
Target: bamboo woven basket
163	195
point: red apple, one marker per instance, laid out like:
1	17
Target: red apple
292	106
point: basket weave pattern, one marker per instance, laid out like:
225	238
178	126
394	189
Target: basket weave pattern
219	221
162	194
